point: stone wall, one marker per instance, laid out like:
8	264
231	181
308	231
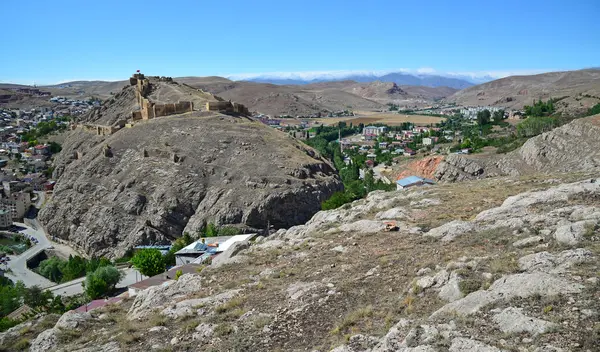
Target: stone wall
227	107
149	109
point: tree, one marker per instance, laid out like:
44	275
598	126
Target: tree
483	117
102	281
55	147
149	262
35	297
52	269
498	115
211	230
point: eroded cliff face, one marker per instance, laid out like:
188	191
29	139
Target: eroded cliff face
572	147
151	182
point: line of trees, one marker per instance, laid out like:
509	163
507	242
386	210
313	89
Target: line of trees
325	141
540	108
60	270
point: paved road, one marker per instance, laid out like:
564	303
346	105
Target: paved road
18	264
74	287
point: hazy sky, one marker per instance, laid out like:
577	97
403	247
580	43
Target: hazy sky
60	40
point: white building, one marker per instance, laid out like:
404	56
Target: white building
371	132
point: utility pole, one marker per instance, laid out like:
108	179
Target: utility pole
340	139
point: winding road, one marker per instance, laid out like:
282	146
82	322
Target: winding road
17	265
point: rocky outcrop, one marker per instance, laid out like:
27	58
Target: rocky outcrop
572	147
174	174
495	279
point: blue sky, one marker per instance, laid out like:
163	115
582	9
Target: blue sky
60	40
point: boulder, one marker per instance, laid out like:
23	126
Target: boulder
451	230
227	257
512	320
509	287
461	344
529	241
363	226
572	233
45	341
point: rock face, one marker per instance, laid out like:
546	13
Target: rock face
174	174
572	147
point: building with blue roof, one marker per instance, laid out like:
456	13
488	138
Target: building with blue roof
412	181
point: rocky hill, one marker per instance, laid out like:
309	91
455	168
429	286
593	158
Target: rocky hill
574	146
505	264
386	92
161	177
577	91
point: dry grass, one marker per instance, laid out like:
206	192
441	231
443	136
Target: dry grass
353	318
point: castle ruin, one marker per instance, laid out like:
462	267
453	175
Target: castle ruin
148	109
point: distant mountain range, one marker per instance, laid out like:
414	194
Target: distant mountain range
400	78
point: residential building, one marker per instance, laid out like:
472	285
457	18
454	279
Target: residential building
430	140
412	181
372	132
409	152
163	279
207	247
5	219
17	203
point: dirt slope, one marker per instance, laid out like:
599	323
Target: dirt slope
581	89
574	146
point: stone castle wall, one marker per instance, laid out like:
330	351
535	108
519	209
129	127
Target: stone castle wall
149	109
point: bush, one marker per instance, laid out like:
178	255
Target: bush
533	126
102	281
149	262
6	323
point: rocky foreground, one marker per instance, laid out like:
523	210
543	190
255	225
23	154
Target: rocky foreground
508	264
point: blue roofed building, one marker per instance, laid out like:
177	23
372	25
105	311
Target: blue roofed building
412	181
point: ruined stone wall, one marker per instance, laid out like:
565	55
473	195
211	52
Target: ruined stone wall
150	110
99	130
136	115
227	107
184	106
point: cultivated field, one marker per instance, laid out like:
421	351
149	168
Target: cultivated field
385	118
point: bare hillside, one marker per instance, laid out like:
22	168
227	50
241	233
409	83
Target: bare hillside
580	90
574	146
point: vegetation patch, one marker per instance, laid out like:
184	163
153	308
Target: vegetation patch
352	319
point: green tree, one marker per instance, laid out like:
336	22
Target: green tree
52	269
532	126
498	115
149	261
211	230
483	117
74	268
35	297
54	147
102	281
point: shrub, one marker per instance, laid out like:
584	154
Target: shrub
102	281
469	285
149	262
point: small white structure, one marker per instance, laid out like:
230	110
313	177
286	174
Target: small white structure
412	181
